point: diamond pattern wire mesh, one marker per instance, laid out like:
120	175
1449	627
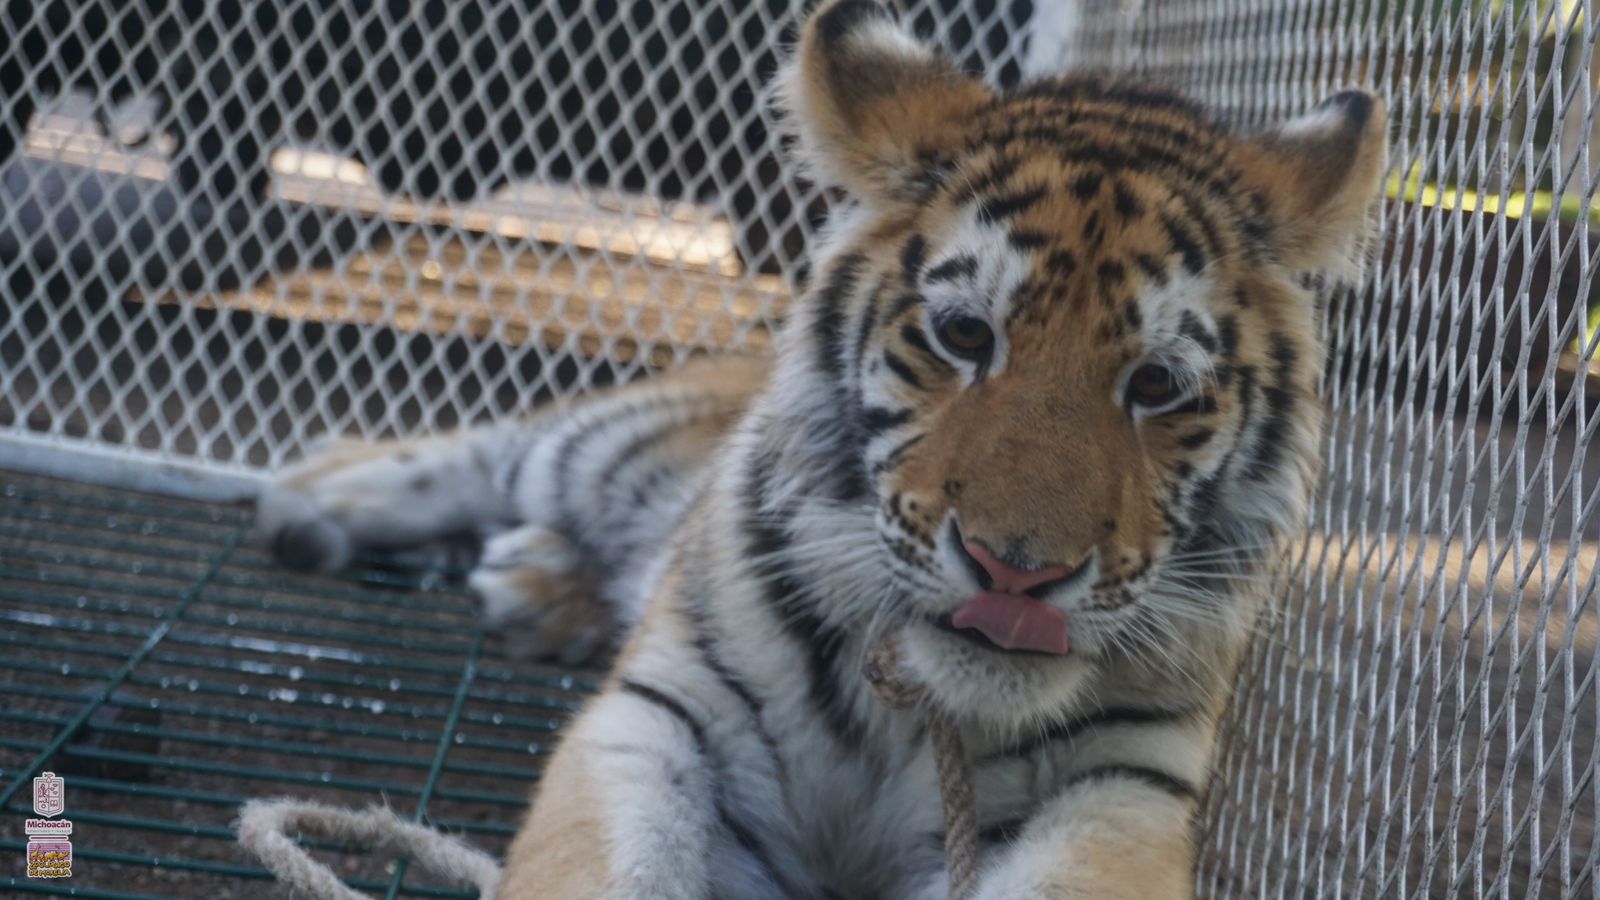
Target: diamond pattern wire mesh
373	216
1421	719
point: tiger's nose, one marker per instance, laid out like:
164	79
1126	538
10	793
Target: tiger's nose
995	574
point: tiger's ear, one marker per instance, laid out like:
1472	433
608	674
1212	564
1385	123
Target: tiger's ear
1321	175
871	103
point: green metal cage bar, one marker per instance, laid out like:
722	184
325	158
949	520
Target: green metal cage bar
115	678
169	671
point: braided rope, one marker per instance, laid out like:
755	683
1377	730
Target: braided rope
882	670
265	827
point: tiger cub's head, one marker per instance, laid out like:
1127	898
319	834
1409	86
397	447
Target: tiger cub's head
1065	344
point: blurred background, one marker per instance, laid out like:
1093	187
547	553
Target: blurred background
226	225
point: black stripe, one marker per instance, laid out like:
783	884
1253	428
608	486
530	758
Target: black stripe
571	515
1061	263
1142	152
1256	221
623	472
997	209
582	431
1100	718
1128	206
1207	497
999	171
869	312
696	594
1174	170
1138	146
901	304
1201	218
741	832
690	411
1112	274
653	482
1196	440
1155	778
561	467
739	689
651	695
932	170
1184	243
752	845
829	331
1190	326
1278	396
912	258
1028	238
962	266
514	474
1136	95
1093	231
1199	144
893	457
829	325
912	336
1087	184
1152	268
875	420
900	368
1228	335
795	611
1023	299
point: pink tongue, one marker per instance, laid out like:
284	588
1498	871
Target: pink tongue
1015	622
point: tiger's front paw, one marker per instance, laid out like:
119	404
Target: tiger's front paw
534	593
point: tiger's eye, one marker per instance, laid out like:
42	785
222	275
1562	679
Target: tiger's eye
1153	385
967	337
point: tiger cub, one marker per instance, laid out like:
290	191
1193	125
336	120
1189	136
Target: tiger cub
1047	410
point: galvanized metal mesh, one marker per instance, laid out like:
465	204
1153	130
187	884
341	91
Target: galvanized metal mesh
316	237
168	671
1421	721
371	217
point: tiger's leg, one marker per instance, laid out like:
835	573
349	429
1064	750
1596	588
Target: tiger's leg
659	788
535	592
347	496
625	809
1106	838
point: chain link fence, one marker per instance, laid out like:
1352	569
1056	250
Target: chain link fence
1422	719
228	227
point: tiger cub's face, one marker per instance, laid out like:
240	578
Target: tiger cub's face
1079	359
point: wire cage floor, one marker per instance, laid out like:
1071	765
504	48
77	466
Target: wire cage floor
168	670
